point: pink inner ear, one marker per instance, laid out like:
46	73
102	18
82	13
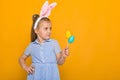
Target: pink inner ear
44	8
47	13
52	5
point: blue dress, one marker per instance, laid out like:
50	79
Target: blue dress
44	60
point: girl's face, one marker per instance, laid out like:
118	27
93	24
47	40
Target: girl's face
44	30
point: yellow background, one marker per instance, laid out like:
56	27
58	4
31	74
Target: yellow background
95	54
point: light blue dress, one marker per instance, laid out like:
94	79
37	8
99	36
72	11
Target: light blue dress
44	60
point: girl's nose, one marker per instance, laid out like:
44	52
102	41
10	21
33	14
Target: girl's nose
49	30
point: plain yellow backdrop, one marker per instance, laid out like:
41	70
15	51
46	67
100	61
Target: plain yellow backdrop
95	53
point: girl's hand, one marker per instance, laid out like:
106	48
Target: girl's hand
65	52
30	69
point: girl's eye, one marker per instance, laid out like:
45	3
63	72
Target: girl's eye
46	28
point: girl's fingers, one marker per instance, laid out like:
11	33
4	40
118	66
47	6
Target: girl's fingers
67	54
32	67
67	48
67	51
31	70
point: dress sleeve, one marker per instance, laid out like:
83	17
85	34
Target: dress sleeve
28	50
56	47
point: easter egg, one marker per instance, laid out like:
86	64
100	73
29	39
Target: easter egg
71	39
68	34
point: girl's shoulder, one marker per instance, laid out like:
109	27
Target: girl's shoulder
53	40
30	44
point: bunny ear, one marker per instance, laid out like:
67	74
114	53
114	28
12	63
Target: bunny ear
45	11
44	8
51	6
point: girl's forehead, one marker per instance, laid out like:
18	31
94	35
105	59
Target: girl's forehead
45	23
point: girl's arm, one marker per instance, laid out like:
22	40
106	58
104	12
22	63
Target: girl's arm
62	56
22	59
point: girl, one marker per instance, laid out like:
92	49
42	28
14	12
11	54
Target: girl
45	52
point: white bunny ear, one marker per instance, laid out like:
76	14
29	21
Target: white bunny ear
44	8
45	11
51	6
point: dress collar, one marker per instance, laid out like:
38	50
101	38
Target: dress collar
36	41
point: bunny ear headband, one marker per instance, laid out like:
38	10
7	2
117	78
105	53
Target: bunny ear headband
45	11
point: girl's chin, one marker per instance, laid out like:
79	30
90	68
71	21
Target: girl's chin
47	38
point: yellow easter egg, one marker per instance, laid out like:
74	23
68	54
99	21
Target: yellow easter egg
68	34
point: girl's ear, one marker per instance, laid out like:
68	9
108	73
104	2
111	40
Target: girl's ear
36	31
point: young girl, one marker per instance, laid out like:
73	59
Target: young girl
45	52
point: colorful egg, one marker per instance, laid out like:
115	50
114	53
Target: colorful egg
71	39
68	34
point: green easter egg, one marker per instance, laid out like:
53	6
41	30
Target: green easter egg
71	39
